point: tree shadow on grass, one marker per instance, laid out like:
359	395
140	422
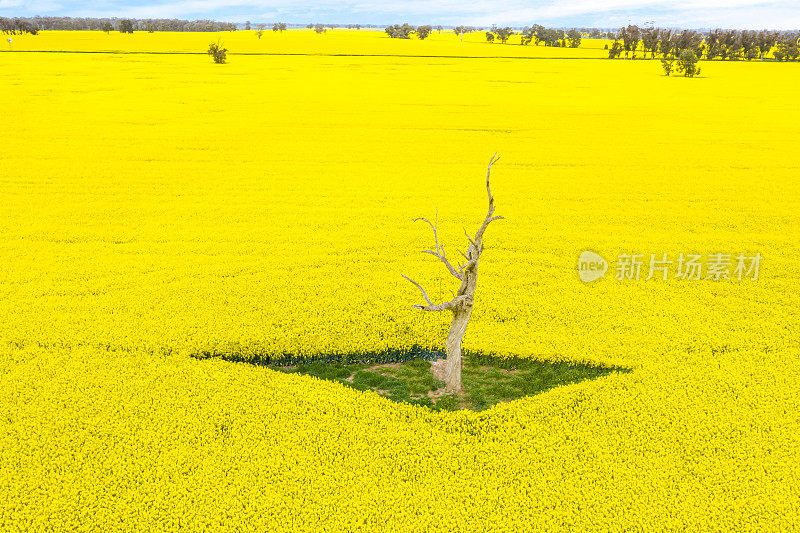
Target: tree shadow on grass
405	375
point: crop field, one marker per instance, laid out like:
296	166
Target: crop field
155	206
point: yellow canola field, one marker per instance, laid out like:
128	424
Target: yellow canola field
157	205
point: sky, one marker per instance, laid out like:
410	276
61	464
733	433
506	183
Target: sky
750	14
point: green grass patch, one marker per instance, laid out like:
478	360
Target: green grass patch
487	380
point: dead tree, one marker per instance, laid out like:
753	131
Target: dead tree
461	305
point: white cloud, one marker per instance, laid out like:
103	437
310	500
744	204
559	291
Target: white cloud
39	6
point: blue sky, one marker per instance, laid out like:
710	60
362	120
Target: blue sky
756	14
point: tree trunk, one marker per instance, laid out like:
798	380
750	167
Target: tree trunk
461	314
452	369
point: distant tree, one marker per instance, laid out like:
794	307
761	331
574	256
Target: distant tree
319	28
713	43
438	29
461	30
650	41
543	35
786	48
630	39
126	26
400	32
690	40
150	27
526	36
615	50
504	33
687	64
766	41
665	44
247	25
532	34
217	53
574	37
423	32
549	36
279	26
107	27
750	49
310	26
667	65
731	45
490	36
260	31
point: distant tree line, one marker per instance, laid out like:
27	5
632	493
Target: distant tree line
595	33
405	31
731	45
17	26
326	26
719	44
102	24
537	34
499	34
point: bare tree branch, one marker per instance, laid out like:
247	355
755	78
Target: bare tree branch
439	249
489	217
456	303
424	294
468	237
492	160
433	227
